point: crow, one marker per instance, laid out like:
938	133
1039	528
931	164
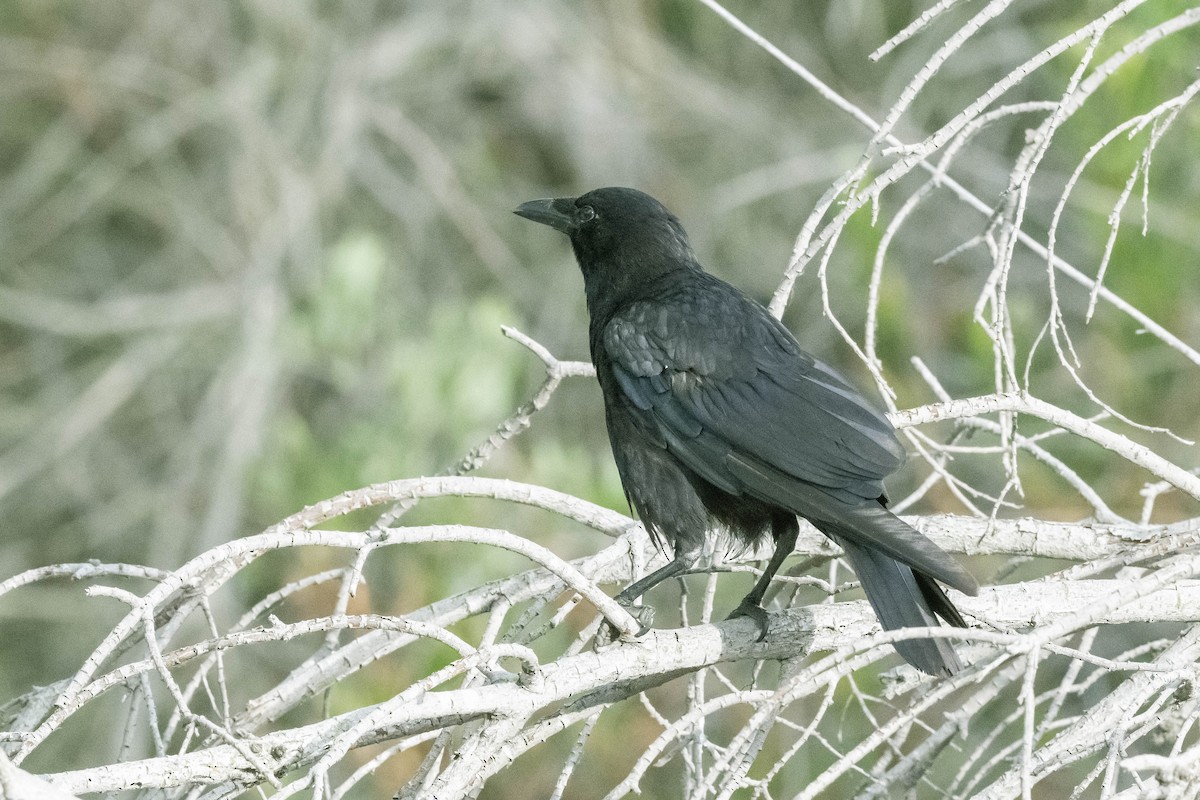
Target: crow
717	418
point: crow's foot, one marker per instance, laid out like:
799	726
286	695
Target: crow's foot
754	612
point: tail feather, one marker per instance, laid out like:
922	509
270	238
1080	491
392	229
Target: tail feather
938	601
902	599
898	566
865	522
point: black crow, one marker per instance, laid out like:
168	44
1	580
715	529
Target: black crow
716	415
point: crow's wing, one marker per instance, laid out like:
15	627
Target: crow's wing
730	393
706	359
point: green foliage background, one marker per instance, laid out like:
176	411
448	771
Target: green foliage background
253	254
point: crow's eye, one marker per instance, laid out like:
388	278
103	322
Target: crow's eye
587	214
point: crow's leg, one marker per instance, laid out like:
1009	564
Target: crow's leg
686	555
784	529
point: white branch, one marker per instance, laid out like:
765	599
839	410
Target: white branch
1024	403
622	669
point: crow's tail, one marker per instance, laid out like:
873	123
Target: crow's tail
903	598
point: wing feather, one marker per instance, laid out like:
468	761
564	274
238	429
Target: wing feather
743	407
751	386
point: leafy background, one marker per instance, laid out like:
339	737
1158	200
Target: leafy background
253	254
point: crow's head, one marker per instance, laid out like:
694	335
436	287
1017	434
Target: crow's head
622	237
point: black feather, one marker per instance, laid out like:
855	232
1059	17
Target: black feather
715	413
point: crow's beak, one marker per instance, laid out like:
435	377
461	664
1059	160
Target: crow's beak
558	213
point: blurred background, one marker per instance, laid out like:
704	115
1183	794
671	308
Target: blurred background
253	254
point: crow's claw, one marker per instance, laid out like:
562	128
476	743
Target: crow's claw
608	634
756	613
